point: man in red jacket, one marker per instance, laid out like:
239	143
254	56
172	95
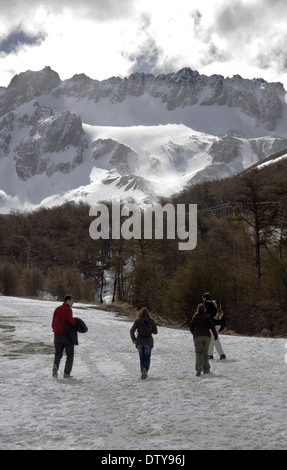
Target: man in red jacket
62	315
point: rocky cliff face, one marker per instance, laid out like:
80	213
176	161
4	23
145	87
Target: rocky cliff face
257	99
147	135
47	138
26	87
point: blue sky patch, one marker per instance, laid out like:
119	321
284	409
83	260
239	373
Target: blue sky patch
17	39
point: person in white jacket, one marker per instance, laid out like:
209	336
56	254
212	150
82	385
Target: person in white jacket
212	311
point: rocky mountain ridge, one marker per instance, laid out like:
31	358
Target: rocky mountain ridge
139	137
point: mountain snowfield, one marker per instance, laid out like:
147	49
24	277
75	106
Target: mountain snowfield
106	406
133	139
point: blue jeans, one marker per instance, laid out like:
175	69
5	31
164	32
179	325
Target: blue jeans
145	354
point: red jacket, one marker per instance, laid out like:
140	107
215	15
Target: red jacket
62	315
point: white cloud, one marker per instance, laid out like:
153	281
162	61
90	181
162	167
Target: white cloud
102	38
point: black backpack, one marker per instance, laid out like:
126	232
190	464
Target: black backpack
145	328
219	314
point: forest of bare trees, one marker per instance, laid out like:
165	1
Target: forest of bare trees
240	256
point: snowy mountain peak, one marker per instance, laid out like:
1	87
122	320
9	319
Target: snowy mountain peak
143	136
44	80
26	86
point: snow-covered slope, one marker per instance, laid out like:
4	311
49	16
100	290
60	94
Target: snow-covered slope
240	405
136	138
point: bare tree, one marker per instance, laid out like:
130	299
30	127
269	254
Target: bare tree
257	210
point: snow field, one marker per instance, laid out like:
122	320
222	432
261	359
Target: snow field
241	405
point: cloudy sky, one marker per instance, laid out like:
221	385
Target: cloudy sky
104	38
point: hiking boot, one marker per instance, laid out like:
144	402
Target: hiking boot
198	373
55	371
222	356
210	357
67	376
144	373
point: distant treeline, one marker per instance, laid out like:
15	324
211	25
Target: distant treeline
240	256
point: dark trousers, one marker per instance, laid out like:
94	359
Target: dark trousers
62	342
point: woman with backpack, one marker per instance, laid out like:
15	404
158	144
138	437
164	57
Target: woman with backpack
145	327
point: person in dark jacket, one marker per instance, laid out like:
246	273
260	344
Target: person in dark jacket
219	325
200	326
144	344
72	331
63	315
